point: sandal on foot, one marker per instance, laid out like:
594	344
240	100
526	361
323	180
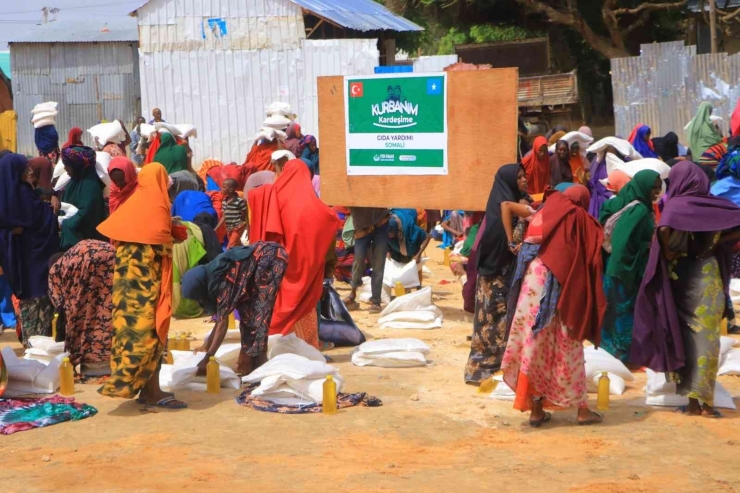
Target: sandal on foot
715	415
350	304
326	346
594	420
685	410
169	403
375	309
540	422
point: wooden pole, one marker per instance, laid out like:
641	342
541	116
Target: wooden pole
713	24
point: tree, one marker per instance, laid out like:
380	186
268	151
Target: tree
619	18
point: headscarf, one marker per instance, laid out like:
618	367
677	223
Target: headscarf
554	138
211	168
702	134
571	249
493	250
666	147
172	156
728	177
207	222
74	138
79	158
294	144
637	139
260	156
560	169
203	282
657	334
537	169
562	187
190	203
633	230
43	171
84	191
236	172
24	257
47	139
408	236
311	158
289	212
258	179
587	131
735	121
577	166
599	193
617	180
119	195
145	218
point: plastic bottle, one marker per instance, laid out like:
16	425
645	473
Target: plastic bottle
232	321
447	257
56	317
399	290
66	378
184	343
213	377
602	400
487	386
329	405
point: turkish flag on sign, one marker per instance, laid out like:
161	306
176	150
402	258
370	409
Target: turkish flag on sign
356	90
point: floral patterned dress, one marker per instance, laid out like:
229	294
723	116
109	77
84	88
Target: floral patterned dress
80	286
548	363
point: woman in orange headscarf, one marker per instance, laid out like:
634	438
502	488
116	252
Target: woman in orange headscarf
289	212
142	290
537	166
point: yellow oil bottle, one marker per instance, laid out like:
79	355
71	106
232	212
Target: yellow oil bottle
232	321
54	326
487	386
329	405
66	378
213	377
447	257
399	290
602	400
184	343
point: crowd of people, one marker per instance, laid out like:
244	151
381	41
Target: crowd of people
630	247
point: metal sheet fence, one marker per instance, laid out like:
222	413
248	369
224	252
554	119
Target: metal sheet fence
664	86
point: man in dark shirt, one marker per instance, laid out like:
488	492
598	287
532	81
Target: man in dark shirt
371	241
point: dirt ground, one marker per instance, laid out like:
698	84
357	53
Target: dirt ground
433	433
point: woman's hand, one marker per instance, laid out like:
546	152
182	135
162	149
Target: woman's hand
55	204
18	230
201	372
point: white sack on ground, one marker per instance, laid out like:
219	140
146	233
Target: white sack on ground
735	290
412	311
29	376
292	379
660	392
617	385
181	375
406	274
502	392
291	344
365	292
598	360
391	353
729	362
43	349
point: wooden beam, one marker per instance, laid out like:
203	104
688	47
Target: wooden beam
308	35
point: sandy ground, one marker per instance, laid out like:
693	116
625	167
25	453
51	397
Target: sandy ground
433	433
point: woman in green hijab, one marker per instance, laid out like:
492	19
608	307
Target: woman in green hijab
171	155
701	133
84	191
628	230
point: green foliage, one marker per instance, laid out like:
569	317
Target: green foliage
449	40
490	33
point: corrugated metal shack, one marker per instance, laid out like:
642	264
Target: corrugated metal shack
664	86
218	64
90	68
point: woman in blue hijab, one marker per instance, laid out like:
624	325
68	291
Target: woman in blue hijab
311	154
406	240
640	140
29	236
190	203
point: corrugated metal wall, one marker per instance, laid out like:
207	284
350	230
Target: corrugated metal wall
90	81
222	84
435	63
664	86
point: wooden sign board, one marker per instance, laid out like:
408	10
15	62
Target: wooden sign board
482	136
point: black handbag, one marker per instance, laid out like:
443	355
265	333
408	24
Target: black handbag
335	322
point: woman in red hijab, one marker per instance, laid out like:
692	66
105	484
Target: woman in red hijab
560	302
74	138
289	212
537	166
123	181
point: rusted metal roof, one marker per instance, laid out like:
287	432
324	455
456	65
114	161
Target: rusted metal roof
549	90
